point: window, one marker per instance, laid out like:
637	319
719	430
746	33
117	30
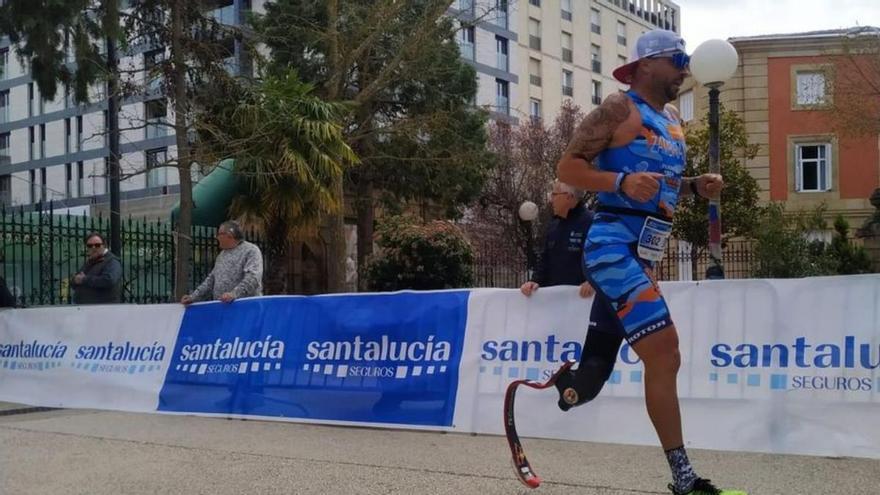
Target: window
4	106
810	88
567	83
466	6
4	144
686	102
6	190
536	3
153	70
596	92
69	181
535	110
501	13
42	140
813	167
155	112
32	143
157	174
621	33
4	63
68	137
595	21
30	99
596	58
80	173
79	132
534	34
501	50
566	10
535	71
502	96
466	45
567	55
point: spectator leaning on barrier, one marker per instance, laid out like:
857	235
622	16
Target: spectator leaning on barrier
99	281
560	262
238	269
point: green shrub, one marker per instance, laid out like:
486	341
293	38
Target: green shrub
419	256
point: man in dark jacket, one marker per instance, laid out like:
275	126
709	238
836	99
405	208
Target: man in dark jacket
561	259
99	281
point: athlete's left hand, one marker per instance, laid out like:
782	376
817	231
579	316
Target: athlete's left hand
586	290
710	185
227	297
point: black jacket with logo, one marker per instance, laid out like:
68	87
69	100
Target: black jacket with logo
561	259
103	281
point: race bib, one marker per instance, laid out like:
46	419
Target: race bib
652	240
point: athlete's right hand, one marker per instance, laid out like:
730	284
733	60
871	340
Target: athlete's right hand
528	288
641	186
186	300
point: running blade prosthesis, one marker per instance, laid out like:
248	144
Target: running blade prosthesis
521	464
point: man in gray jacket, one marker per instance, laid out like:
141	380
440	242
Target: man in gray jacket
238	269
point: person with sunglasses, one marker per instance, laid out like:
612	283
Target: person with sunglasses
631	151
99	281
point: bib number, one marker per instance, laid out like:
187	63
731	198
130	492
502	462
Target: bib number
653	239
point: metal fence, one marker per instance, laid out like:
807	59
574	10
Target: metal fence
42	251
500	266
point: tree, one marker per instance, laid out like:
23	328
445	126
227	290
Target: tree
289	149
197	46
854	84
740	212
850	259
434	255
412	124
526	166
783	248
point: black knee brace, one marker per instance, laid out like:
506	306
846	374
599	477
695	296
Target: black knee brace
597	362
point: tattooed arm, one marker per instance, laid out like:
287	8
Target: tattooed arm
592	136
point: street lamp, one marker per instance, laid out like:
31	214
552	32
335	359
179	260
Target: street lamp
528	212
712	63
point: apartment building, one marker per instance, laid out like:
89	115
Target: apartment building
531	55
56	150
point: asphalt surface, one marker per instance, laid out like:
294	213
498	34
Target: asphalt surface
100	452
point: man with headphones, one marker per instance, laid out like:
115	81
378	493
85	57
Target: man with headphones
238	269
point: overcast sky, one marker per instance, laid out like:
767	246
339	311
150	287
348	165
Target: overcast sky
706	19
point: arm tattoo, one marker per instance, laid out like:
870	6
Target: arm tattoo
595	132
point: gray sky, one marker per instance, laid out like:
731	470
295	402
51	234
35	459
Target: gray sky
706	19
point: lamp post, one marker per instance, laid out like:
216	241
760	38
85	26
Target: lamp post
528	212
713	63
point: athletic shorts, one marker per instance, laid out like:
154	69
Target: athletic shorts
628	299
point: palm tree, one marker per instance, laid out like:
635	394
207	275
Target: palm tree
289	148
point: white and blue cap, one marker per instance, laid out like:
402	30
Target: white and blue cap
656	42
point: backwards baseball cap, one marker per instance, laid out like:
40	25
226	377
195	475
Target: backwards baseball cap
656	42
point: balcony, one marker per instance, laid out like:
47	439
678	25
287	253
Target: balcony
566	15
597	100
156	128
596	28
535	80
567	91
567	55
467	50
597	66
502	104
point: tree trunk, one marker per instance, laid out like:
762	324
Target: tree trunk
276	259
366	216
183	232
336	221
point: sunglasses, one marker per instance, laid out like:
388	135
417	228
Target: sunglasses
94	245
680	60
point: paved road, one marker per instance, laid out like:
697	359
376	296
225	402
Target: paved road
99	452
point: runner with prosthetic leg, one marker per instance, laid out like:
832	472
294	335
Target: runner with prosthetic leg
631	151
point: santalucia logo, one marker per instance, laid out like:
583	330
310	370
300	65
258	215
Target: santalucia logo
380	358
32	356
801	354
122	357
247	356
